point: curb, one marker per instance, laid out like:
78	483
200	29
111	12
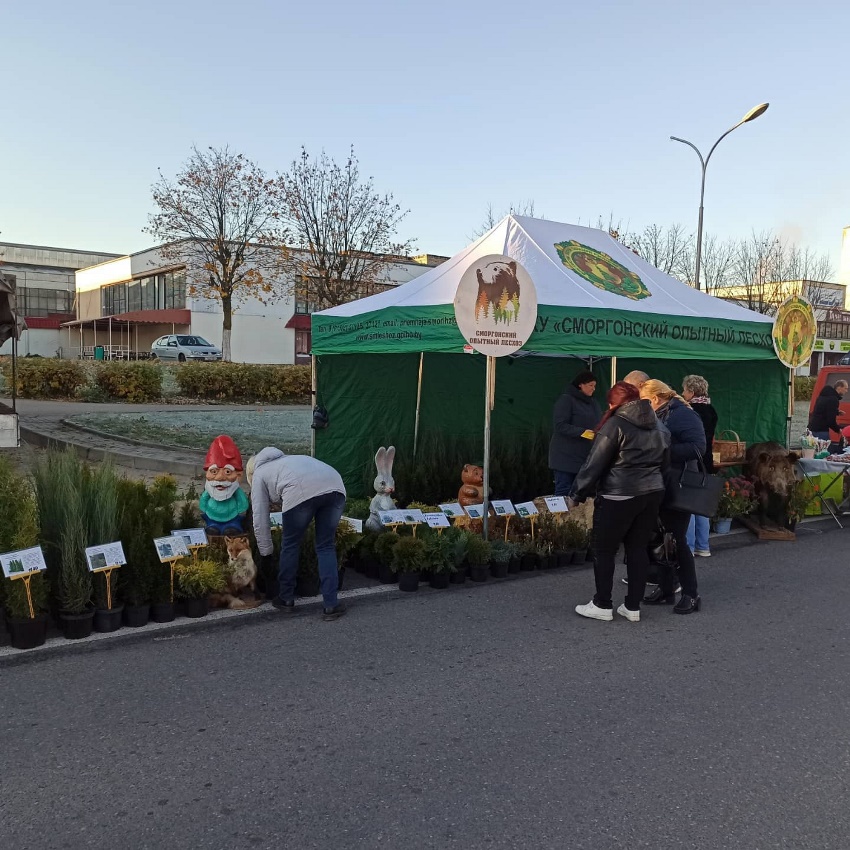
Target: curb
105	435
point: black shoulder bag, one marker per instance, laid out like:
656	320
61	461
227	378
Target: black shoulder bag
693	491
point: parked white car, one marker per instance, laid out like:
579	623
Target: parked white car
184	347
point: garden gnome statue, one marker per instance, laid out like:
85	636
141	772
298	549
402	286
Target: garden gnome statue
223	504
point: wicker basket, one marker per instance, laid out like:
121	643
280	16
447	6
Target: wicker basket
729	451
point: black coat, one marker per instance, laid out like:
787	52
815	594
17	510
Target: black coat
687	436
824	415
708	415
627	457
574	414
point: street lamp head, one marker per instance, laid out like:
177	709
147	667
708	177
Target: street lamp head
755	112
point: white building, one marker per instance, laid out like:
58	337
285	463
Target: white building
126	303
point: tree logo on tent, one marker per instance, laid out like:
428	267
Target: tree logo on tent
496	305
602	271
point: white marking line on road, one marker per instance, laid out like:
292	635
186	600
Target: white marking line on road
184	622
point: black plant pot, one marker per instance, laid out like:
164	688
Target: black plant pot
425	576
387	575
196	607
136	616
565	558
479	572
439	581
307	586
498	570
340	578
459	575
529	562
77	626
548	562
514	565
579	557
108	619
28	633
408	581
370	567
162	612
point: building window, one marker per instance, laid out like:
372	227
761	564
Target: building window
35	301
134	295
114	299
175	291
149	299
302	343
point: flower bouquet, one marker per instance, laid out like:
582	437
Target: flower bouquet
737	498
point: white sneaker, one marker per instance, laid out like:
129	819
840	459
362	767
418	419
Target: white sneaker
590	610
631	616
703	553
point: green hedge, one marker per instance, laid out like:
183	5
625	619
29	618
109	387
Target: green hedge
138	382
39	377
803	388
245	382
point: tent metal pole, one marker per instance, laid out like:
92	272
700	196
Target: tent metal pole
418	403
489	399
313	397
613	371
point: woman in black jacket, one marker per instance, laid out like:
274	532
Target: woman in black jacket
624	472
576	413
687	443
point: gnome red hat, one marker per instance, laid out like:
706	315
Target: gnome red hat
222	452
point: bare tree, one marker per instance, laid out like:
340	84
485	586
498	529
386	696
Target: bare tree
666	248
218	218
718	262
343	231
492	218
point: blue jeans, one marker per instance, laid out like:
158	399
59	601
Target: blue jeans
698	533
821	435
327	510
563	482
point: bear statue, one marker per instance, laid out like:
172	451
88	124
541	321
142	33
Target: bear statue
472	489
770	467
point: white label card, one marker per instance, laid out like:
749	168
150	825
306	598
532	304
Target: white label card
105	557
503	507
192	536
356	524
556	504
391	517
169	548
452	510
526	509
413	517
276	519
22	562
475	511
437	520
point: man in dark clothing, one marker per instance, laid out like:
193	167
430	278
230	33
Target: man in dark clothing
824	415
575	418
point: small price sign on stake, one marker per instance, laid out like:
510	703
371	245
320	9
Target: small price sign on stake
453	510
170	550
528	510
104	559
556	504
475	511
196	539
24	564
356	524
505	508
276	519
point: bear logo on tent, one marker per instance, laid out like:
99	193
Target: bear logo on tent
498	292
602	271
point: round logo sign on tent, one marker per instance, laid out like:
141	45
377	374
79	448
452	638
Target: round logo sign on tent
795	330
496	305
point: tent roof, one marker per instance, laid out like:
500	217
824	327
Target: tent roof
532	243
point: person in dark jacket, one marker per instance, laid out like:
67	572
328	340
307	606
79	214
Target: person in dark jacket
695	393
687	442
824	415
575	417
624	472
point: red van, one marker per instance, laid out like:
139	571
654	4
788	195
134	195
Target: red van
829	375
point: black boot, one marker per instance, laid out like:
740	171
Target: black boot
659	597
687	604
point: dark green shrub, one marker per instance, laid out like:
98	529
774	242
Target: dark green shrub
408	555
803	388
245	382
135	382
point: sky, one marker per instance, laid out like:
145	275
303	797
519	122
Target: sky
451	107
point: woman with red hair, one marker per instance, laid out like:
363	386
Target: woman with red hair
623	472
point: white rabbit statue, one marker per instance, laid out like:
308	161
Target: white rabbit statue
384	487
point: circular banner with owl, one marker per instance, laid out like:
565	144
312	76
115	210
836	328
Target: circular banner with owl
602	271
795	330
496	305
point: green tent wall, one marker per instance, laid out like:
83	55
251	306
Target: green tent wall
371	400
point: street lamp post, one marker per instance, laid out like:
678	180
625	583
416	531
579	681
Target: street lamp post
750	116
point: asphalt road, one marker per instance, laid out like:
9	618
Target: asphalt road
491	717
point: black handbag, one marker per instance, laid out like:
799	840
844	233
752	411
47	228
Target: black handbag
693	491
